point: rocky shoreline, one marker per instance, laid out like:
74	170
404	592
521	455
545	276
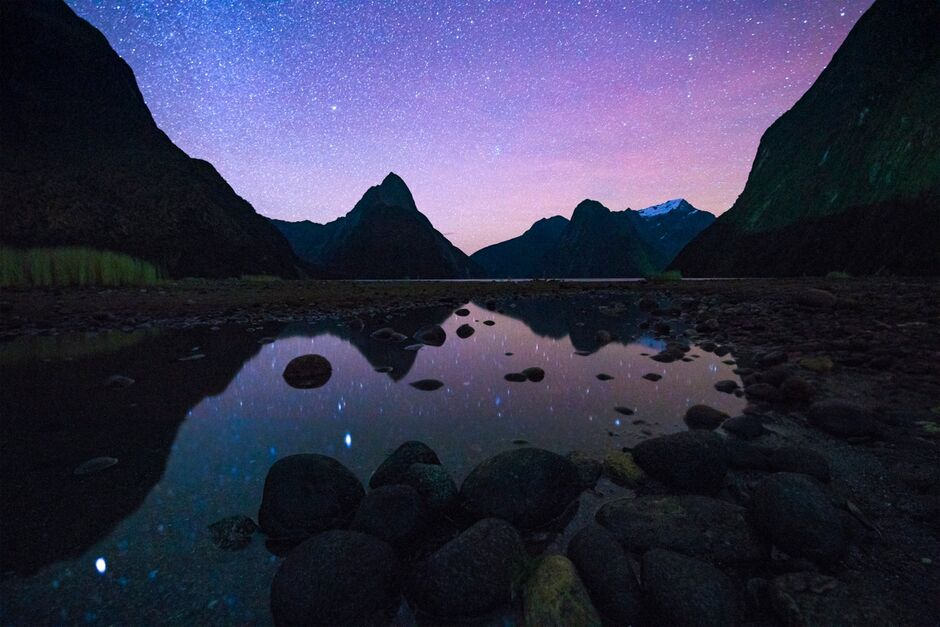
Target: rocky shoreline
818	505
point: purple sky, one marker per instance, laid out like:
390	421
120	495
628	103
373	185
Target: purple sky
496	113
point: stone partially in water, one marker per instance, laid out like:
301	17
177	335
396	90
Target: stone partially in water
305	494
554	595
308	372
620	467
699	526
603	376
470	575
462	312
432	335
233	532
336	578
652	376
529	487
534	374
515	377
689	460
605	570
464	331
704	417
685	592
399	462
94	465
427	385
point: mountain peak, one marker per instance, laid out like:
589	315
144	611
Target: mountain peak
392	192
666	207
587	208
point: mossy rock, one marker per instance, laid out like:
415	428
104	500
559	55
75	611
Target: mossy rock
620	468
555	596
820	365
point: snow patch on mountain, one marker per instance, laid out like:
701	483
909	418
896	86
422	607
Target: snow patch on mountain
660	209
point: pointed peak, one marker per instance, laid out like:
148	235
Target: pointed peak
588	207
393	180
666	207
392	192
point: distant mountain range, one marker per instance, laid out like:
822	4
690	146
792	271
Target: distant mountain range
597	243
383	237
82	161
849	178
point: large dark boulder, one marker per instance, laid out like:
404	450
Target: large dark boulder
682	591
704	417
842	418
699	526
745	456
336	578
794	512
397	464
394	513
529	487
470	575
433	483
308	371
689	460
305	494
605	570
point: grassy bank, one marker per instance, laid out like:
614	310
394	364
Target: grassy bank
72	266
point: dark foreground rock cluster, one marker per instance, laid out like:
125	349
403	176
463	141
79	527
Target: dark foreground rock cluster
715	530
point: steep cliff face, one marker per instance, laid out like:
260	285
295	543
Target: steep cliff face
383	237
83	162
849	178
525	256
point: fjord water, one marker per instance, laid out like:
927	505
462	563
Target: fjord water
209	412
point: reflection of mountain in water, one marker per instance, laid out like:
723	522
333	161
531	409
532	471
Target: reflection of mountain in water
580	320
55	416
377	353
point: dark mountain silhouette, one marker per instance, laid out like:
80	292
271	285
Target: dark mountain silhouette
849	178
526	256
83	162
383	237
597	243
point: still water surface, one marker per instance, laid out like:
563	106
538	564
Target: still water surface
194	439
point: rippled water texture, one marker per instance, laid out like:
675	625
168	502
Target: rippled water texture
194	438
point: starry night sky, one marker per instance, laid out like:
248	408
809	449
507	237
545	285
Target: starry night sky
496	113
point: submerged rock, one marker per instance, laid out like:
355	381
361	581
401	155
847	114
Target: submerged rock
233	532
336	578
470	575
308	371
529	487
555	596
699	526
305	494
398	463
689	460
605	570
683	591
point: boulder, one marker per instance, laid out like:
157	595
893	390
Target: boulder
699	526
336	578
704	417
842	418
393	469
798	516
433	483
689	460
589	469
555	597
308	372
470	575
605	570
529	487
534	374
305	494
394	513
683	591
782	459
620	467
464	331
432	335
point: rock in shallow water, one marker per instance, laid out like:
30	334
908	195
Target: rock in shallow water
432	335
470	575
396	465
464	331
605	570
534	374
704	417
683	591
305	494
308	372
699	526
232	533
336	578
589	469
427	385
555	596
529	487
689	460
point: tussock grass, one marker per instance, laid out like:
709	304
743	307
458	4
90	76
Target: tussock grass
72	266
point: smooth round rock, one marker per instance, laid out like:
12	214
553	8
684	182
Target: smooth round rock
464	331
433	483
605	570
336	578
305	494
554	595
529	487
745	426
589	469
470	575
534	374
394	513
688	460
432	335
308	372
842	418
393	469
685	592
794	512
704	417
620	467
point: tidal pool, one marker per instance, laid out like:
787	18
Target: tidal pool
209	412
